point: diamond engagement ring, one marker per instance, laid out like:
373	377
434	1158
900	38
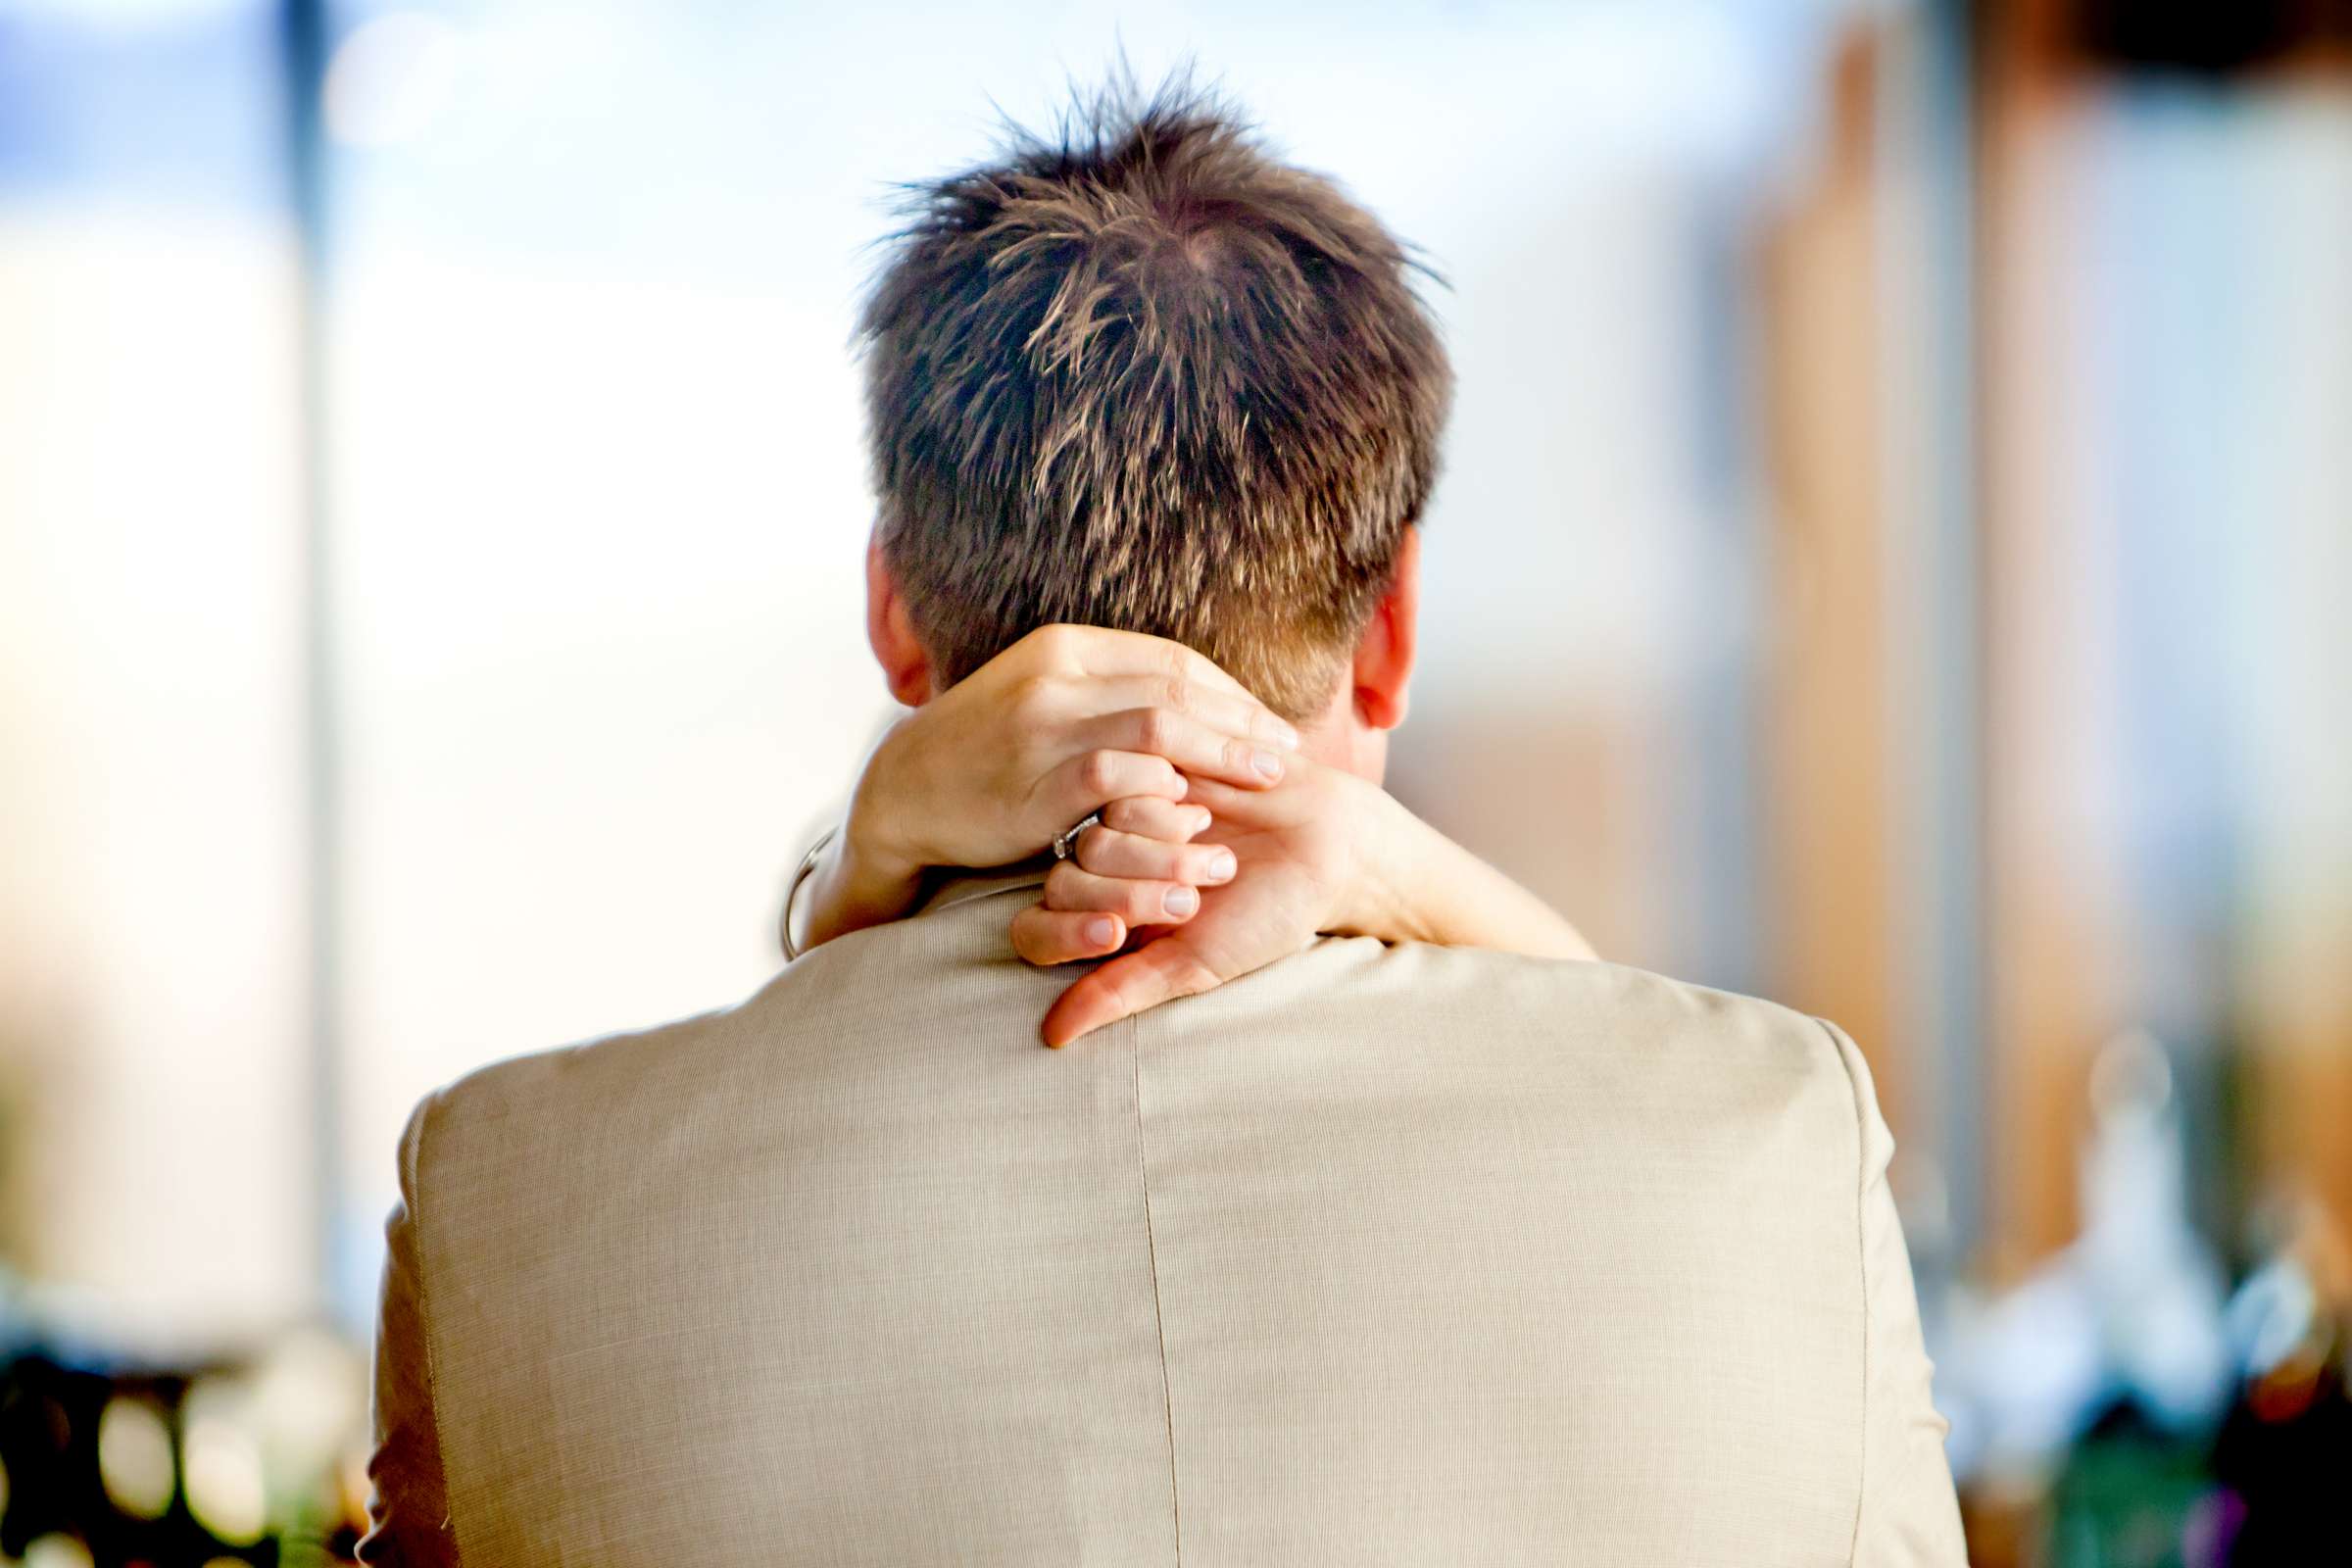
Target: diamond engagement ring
1067	845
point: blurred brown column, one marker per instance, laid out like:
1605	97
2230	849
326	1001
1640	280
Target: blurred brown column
1829	946
2054	897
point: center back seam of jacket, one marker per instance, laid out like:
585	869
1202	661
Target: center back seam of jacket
1167	1398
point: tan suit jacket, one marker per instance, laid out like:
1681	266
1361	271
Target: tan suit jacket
1407	1255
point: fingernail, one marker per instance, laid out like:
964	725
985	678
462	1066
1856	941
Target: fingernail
1180	903
1286	737
1220	866
1267	763
1102	931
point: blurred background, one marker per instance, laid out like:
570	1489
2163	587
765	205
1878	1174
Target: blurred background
1892	559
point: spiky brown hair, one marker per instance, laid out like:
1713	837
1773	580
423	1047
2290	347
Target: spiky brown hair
1144	375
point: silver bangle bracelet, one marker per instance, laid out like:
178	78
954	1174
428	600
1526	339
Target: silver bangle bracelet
799	876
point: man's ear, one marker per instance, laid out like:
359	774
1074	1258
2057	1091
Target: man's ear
1385	653
906	667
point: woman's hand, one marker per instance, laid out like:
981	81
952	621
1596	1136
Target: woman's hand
1325	852
1298	855
1000	764
1138	870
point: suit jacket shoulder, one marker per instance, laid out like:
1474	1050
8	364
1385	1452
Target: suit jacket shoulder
1378	1256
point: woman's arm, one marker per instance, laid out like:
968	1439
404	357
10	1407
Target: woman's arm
1414	884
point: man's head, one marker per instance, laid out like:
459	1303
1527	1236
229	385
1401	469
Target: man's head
1146	376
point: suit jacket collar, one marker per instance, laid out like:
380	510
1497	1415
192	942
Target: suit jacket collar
962	884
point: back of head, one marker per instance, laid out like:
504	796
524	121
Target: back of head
1144	375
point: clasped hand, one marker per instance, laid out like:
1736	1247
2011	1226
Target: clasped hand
1222	847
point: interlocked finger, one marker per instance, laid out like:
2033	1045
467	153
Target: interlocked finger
1156	818
1199	749
1109	852
1069	886
1047	937
1082	783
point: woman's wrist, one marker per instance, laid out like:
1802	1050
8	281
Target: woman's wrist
868	873
850	889
1388	868
1410	883
876	849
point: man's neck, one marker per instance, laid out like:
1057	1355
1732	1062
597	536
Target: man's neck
1339	738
